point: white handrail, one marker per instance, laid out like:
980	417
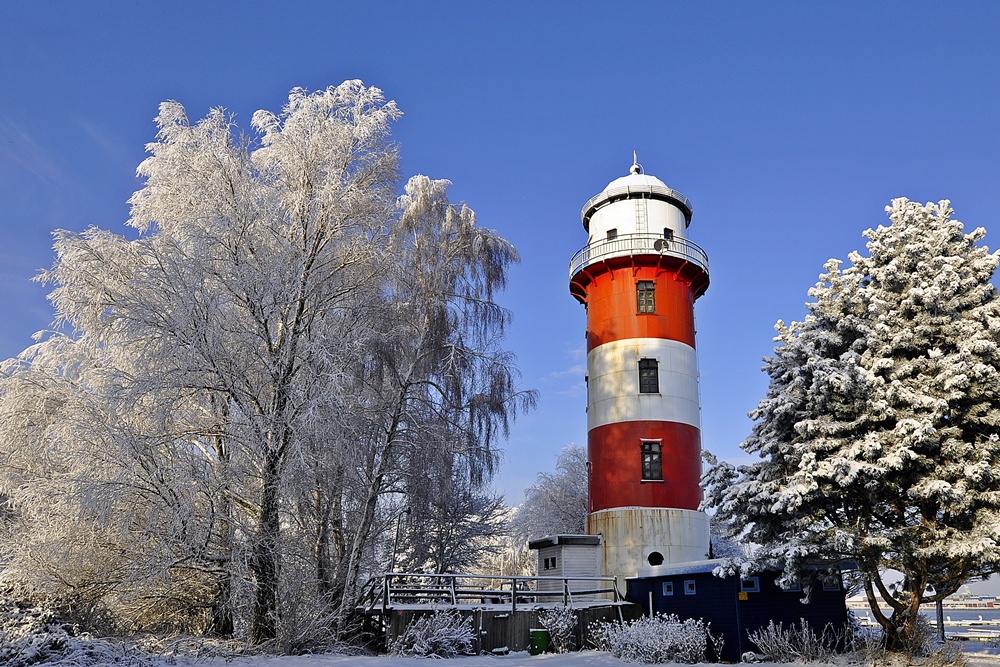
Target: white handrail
638	244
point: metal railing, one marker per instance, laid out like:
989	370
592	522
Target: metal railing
407	588
630	192
638	244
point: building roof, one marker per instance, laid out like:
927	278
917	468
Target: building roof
576	540
672	569
634	180
635	185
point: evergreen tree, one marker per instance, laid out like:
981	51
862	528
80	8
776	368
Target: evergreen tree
878	437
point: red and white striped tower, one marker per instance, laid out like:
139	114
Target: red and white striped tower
638	278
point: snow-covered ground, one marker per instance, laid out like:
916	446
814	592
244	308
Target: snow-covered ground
977	655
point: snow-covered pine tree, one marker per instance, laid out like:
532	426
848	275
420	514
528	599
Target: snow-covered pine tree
878	436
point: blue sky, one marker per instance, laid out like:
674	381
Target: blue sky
788	125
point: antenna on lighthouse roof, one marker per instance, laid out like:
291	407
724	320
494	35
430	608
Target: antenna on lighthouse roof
636	167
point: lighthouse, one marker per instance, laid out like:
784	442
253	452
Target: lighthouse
638	278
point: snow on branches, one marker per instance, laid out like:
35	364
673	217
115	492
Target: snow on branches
239	402
878	437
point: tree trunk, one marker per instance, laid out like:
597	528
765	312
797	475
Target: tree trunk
264	562
324	562
222	611
222	623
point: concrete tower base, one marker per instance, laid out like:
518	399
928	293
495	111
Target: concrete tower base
631	538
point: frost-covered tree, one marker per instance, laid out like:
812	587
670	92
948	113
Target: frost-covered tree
556	504
721	542
452	529
878	437
234	398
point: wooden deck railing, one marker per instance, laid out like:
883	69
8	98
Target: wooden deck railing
412	588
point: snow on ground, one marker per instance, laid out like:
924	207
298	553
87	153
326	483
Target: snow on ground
978	656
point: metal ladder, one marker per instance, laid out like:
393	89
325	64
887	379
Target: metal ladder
640	215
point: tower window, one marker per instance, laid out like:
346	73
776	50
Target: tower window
668	234
612	234
645	296
649	377
652	464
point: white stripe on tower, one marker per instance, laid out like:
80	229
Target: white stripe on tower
613	379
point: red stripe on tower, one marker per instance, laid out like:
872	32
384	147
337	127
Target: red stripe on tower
638	277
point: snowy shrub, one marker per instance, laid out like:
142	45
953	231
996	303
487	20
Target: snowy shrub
799	642
921	647
944	655
441	634
37	636
561	624
656	640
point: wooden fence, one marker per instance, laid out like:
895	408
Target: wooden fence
498	629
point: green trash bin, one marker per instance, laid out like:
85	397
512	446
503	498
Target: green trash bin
539	641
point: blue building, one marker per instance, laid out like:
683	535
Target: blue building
736	606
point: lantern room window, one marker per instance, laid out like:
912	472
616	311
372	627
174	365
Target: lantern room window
645	296
652	462
649	376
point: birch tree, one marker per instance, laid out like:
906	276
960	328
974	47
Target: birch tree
556	504
878	438
253	374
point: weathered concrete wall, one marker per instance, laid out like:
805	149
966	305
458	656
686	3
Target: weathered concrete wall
631	535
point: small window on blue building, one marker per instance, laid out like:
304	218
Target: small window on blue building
792	588
749	585
831	585
689	587
668	588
